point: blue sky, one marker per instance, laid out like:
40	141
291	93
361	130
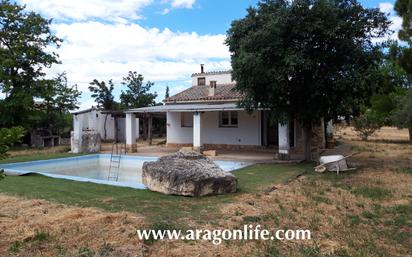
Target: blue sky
165	40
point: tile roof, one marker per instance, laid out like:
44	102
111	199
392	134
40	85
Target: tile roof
187	108
201	94
212	73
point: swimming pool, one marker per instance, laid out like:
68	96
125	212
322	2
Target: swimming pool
95	168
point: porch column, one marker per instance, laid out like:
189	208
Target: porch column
131	132
197	131
329	129
76	141
284	144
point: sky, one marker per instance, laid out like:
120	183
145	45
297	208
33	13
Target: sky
164	40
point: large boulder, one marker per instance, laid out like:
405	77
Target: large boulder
188	174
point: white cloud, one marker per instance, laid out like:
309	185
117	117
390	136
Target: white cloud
182	3
83	10
165	11
176	4
117	11
388	8
95	50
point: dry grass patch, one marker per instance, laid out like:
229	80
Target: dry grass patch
367	212
41	228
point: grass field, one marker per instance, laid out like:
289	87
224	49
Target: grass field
153	205
367	212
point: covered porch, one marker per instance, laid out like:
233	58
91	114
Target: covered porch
223	127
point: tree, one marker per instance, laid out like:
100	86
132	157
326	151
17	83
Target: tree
24	37
104	97
167	95
7	138
306	59
402	116
59	98
393	81
137	94
366	124
404	9
103	94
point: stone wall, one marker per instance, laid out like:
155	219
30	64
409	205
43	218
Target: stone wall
318	141
90	142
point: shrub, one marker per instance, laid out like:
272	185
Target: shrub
8	137
366	124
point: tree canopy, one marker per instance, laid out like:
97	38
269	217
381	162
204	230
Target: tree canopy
138	93
167	93
306	59
404	9
24	37
103	94
58	99
402	116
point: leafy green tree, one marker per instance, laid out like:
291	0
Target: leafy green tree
138	93
24	37
103	94
402	116
404	9
393	81
7	138
306	59
59	98
104	97
366	124
167	94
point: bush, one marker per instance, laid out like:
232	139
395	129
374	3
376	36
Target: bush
366	124
8	137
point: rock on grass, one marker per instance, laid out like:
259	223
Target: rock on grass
187	174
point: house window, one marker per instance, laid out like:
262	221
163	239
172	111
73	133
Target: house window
186	119
201	81
228	119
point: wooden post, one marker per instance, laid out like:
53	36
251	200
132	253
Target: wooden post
116	134
149	129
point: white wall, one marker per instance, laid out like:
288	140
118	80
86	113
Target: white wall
109	126
248	131
91	122
220	78
175	133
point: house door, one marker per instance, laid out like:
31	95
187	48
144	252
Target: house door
270	133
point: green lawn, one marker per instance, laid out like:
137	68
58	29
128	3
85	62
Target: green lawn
153	205
45	156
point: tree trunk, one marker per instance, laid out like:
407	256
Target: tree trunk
307	131
410	135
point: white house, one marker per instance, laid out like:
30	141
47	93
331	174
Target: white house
206	116
105	123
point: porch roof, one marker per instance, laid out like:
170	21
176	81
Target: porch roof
187	108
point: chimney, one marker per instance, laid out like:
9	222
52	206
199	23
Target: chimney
202	68
212	88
